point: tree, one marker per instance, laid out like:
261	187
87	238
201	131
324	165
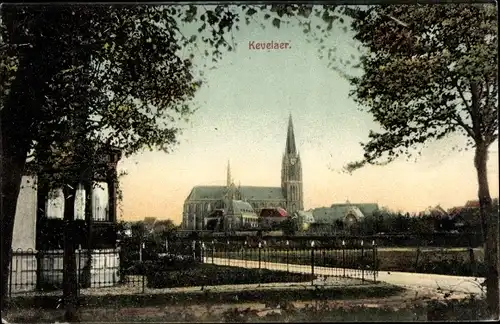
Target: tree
427	72
116	79
289	226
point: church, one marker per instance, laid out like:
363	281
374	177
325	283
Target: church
202	200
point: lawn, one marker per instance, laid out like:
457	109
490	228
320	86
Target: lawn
453	261
214	275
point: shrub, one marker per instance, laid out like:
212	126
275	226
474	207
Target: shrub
452	266
172	262
212	275
469	309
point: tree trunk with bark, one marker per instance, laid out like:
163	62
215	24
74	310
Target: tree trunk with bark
491	231
13	158
70	285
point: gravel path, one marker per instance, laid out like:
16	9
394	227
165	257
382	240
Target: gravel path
468	285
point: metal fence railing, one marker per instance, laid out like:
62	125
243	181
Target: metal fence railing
127	269
42	271
352	259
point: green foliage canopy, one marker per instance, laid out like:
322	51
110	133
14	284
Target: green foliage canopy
428	71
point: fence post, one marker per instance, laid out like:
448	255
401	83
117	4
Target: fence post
266	259
287	251
78	271
38	257
202	252
260	271
213	251
143	272
227	254
312	262
362	262
374	261
343	257
10	272
141	244
245	254
260	255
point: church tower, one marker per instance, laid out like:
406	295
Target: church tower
291	173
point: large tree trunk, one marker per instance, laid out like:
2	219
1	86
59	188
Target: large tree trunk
70	285
11	172
490	218
19	111
15	139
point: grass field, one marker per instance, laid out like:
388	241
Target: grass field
429	260
214	275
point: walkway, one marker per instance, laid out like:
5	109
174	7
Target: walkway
405	279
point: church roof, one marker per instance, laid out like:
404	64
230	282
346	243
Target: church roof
336	212
327	214
247	192
290	138
273	212
261	193
240	206
366	209
207	192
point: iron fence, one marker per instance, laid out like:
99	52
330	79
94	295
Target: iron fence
128	269
325	258
42	271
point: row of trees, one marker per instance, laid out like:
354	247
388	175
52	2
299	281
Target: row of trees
467	220
381	222
75	78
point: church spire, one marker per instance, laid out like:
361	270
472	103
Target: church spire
229	180
290	138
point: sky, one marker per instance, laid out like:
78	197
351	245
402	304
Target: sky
243	115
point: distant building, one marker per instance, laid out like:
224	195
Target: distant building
347	213
468	214
472	204
238	215
272	216
202	200
436	211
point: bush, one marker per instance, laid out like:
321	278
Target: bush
469	309
454	267
212	275
172	262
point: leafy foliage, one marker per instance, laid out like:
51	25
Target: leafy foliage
428	71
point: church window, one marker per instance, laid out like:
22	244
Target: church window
293	193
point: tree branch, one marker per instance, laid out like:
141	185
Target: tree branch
466	127
461	93
476	118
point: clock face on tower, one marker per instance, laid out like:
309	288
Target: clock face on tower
293	161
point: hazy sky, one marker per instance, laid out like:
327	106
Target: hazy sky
243	117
